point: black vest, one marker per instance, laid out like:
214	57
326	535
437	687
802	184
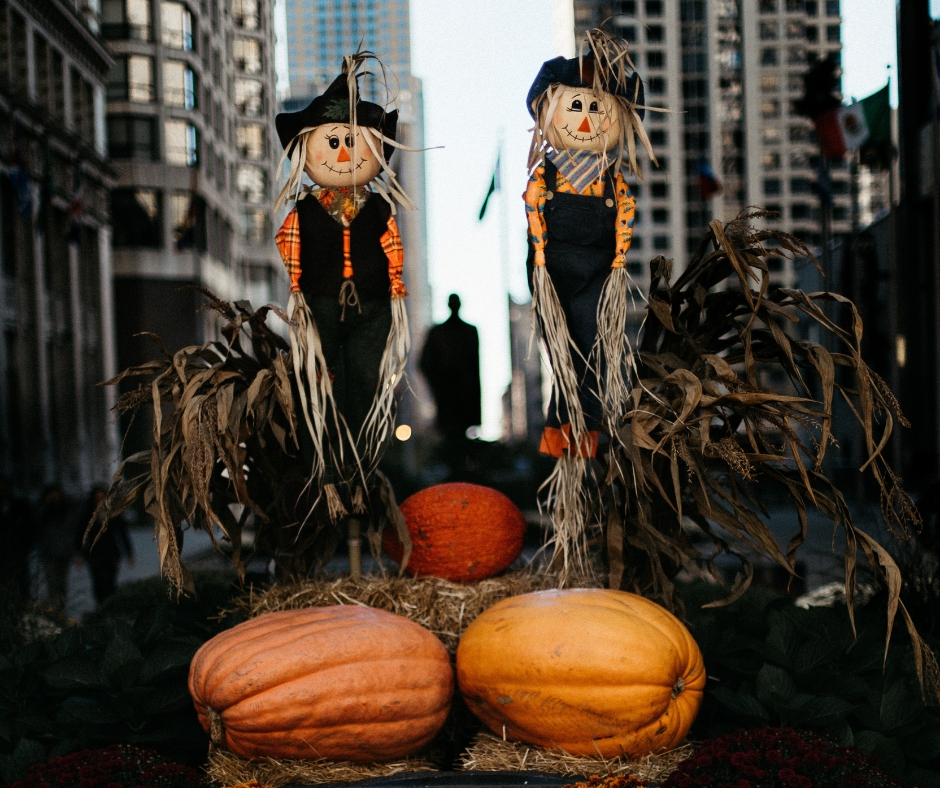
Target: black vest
321	249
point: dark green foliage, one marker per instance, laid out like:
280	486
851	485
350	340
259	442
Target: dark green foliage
118	678
777	758
772	663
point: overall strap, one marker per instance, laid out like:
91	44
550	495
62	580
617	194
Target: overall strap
609	179
551	175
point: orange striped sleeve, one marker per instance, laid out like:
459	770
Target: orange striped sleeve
391	245
288	244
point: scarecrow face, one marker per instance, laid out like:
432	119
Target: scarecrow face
585	121
337	156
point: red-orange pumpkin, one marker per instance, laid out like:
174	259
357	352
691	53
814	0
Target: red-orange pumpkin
462	532
345	682
592	671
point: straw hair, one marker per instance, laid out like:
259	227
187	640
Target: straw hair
491	753
612	66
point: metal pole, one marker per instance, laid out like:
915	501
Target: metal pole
856	295
825	208
934	239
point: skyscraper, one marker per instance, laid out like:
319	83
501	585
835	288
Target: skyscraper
319	34
190	110
728	72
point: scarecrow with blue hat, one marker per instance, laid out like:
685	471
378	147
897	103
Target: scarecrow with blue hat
588	113
342	249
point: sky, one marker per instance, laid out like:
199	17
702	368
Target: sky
477	60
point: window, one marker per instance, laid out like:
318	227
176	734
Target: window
132	137
189	220
795	5
771	134
248	97
768	57
628	7
126	20
656	58
770	82
694	88
693	62
796	30
247	53
796	56
637	243
245	14
655	34
136	218
661	243
179	84
249	138
251	184
255	226
799	211
58	85
654	7
663	164
795	81
812	34
131	79
770	109
768	6
771	160
769	31
799	160
696	114
635	269
182	145
659	190
772	186
628	32
812	7
660	216
656	86
692	10
696	140
775	212
800	186
657	138
832	7
177	26
800	134
832	34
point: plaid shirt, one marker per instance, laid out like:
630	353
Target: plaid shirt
288	243
535	195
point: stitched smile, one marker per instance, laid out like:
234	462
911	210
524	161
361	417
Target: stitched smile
589	138
344	172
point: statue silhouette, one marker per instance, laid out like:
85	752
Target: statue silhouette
451	363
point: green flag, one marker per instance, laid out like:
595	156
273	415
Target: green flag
866	127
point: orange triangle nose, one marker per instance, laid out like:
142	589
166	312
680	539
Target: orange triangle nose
585	126
343	155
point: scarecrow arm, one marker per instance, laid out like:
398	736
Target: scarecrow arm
391	245
288	244
535	212
626	211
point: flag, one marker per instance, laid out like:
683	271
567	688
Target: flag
19	177
708	183
76	207
864	126
494	187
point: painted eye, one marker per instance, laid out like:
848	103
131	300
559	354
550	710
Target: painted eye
334	142
593	107
576	105
349	141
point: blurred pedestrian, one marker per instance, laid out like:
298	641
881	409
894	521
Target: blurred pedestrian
59	537
17	536
104	546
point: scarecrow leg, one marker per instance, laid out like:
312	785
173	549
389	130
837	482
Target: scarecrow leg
355	548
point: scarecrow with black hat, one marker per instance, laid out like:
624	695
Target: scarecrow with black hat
588	114
342	249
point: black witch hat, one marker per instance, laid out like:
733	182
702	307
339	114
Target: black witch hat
575	73
333	106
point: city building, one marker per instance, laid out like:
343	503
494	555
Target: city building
190	129
319	34
727	72
523	406
56	303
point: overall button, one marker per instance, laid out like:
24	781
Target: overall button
549	195
609	202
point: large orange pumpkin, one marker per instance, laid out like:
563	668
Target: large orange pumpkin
461	532
344	682
592	671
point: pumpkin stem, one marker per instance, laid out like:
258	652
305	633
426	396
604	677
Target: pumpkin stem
678	687
217	728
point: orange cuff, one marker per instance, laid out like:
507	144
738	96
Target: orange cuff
556	442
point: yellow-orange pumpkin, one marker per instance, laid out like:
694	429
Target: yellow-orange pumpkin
461	532
592	671
344	682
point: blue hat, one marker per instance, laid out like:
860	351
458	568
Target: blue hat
574	74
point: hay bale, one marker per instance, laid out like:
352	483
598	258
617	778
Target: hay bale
227	769
490	753
442	606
